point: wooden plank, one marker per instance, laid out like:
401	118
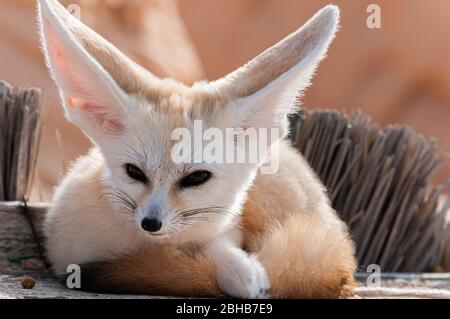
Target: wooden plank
17	207
47	286
407	280
401	293
405	285
21	236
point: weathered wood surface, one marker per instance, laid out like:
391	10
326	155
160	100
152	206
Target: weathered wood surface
406	285
392	286
402	293
47	286
21	236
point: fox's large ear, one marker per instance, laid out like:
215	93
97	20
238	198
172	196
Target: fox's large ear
266	89
87	70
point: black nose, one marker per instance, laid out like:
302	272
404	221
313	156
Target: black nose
151	224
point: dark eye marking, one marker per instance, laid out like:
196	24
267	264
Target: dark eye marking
135	173
195	179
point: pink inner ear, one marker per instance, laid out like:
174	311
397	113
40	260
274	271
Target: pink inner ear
54	47
66	75
74	101
77	91
100	113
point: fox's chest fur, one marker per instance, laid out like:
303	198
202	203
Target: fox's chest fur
142	217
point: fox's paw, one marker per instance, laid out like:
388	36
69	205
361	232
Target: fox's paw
244	278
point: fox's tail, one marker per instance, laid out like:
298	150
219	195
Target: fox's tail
305	260
301	259
158	272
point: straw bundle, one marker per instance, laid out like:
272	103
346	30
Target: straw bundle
379	183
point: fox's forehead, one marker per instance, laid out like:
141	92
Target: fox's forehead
177	106
172	96
149	136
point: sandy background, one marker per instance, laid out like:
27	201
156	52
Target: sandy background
399	73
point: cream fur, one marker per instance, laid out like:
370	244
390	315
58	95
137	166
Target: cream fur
291	244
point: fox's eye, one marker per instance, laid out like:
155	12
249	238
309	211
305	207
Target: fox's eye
135	173
195	179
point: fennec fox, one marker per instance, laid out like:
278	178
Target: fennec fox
139	222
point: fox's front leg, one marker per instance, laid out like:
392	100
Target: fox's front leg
238	274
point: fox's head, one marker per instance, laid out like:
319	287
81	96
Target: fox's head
131	116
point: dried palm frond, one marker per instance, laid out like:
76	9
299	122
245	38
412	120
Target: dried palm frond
379	182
